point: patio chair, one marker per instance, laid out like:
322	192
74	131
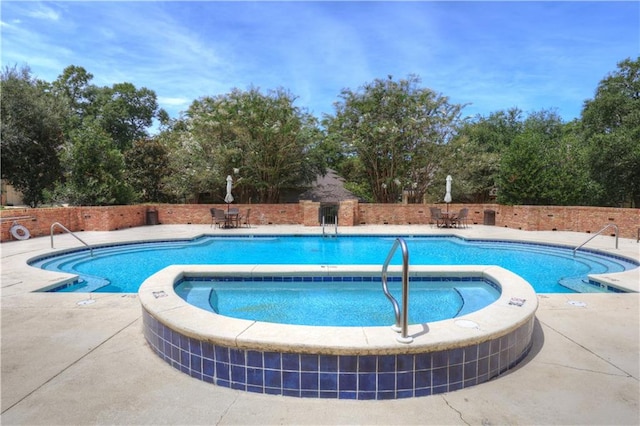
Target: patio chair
245	219
462	218
436	217
218	217
213	216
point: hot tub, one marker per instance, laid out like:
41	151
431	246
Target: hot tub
339	362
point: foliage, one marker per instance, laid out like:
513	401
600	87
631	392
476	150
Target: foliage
125	112
542	164
474	170
394	129
473	156
190	167
31	134
94	169
611	125
354	173
101	125
122	110
388	138
147	163
73	87
269	142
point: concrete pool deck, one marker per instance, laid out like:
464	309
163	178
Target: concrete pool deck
64	363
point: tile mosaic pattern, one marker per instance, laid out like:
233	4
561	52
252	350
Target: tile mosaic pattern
339	376
331	278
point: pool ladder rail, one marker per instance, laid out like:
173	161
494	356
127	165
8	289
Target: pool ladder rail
59	225
615	227
335	223
401	326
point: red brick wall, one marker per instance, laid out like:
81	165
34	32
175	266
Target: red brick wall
310	211
39	221
351	213
348	213
110	218
579	219
261	214
393	214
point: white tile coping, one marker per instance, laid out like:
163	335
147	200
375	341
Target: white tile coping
493	321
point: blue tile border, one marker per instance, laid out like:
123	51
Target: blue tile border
360	377
338	278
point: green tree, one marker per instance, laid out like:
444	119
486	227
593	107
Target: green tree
396	129
73	87
191	170
272	144
125	112
496	132
474	170
31	133
94	169
277	141
122	110
147	164
543	164
473	156
611	125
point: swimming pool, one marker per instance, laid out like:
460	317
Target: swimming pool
333	362
549	269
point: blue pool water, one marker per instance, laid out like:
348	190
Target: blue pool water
343	303
123	268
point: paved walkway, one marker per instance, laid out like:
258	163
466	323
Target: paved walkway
64	363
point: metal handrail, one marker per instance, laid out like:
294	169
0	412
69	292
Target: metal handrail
596	234
58	224
401	324
8	218
335	221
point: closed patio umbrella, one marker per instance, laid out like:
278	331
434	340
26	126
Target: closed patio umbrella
447	196
229	198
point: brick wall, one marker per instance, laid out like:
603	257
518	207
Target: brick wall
261	214
39	221
351	213
579	219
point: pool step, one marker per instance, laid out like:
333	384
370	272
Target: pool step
198	295
474	299
93	283
581	286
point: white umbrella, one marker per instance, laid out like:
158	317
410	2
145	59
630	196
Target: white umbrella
229	198
447	196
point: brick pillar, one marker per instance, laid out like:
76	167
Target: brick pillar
310	212
348	213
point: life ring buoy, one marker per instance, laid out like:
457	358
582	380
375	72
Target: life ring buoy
19	232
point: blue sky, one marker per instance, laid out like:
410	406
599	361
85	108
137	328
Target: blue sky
490	55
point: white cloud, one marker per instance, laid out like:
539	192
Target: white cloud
43	12
495	55
174	101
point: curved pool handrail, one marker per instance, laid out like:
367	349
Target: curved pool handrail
64	228
615	227
401	324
